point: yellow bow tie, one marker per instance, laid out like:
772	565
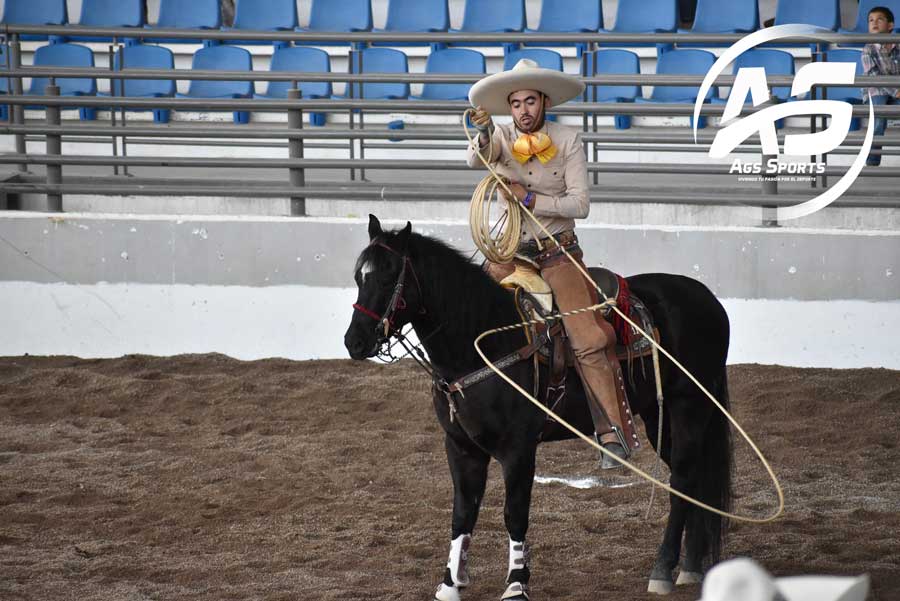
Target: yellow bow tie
529	145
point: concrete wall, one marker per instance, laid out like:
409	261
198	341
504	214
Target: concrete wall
105	285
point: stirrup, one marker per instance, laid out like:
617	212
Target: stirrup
616	449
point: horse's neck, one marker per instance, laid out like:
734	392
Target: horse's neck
450	326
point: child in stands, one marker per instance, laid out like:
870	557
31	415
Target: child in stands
880	59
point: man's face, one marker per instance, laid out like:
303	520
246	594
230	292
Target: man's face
526	107
878	23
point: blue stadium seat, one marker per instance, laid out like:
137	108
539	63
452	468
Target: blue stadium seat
570	16
4	83
146	57
264	15
65	55
451	60
645	16
851	95
547	59
110	13
683	62
614	61
416	16
379	60
35	12
493	16
178	14
301	59
734	16
222	58
775	62
862	17
339	15
823	13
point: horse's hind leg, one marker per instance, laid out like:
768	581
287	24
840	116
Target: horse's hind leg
468	467
695	548
684	462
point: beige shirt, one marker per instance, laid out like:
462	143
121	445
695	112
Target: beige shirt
560	186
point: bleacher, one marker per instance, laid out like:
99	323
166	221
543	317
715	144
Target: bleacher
402	15
482	16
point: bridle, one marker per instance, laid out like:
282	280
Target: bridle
385	326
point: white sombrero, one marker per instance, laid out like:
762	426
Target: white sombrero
492	92
745	580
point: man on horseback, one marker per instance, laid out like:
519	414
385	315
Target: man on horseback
547	170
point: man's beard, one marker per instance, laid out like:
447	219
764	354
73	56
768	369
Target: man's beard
535	125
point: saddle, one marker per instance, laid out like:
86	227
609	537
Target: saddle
534	299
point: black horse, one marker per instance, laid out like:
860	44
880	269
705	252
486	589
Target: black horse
407	278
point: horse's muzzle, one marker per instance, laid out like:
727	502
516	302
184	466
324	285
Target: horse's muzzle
359	345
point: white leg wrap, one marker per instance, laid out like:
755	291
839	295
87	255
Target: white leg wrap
688	578
447	593
517	556
515	589
458	564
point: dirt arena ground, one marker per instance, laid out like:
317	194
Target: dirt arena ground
203	477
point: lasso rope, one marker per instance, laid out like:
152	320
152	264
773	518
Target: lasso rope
503	249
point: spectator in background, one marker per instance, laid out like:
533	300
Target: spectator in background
880	59
686	11
227	7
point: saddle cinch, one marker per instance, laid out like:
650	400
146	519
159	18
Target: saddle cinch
534	300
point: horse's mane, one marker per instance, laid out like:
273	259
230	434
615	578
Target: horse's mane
453	279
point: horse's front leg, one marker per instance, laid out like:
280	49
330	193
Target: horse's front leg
468	467
518	474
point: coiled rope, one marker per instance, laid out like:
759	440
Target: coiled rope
503	248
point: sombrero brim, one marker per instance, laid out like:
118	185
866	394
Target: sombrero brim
492	92
824	588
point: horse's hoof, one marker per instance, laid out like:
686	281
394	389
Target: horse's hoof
447	593
516	591
660	587
688	578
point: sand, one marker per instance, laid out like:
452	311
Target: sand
204	477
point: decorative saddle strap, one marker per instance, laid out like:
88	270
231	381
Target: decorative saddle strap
526	352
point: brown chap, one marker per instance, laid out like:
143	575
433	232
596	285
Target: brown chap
593	344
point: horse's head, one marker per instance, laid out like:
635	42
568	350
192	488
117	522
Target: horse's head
389	294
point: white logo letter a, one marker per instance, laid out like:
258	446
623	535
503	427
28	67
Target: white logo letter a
753	80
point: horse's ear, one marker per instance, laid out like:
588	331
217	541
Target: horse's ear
374	227
403	236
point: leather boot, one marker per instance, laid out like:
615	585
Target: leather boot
603	394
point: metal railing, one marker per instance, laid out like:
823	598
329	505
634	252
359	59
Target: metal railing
356	139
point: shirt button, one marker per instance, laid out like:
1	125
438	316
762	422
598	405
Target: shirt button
530	173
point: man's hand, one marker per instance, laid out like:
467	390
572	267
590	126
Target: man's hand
517	189
482	121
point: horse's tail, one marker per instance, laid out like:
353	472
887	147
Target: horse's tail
717	462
